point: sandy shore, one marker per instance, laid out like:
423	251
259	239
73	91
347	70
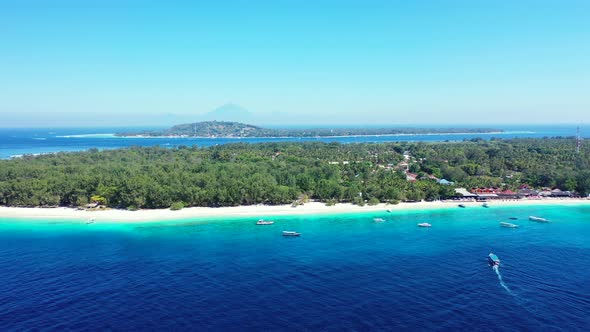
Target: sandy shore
255	211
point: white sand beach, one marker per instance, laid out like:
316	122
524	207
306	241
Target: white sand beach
255	211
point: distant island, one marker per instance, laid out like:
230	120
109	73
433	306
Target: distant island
237	129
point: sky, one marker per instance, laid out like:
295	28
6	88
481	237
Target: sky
126	62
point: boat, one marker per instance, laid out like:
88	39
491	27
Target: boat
378	219
537	219
90	221
389	210
290	233
264	222
485	205
508	225
513	218
424	224
462	205
493	259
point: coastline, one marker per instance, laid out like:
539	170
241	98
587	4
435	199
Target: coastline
253	211
307	137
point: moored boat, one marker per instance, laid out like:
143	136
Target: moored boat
290	233
90	221
378	219
508	225
264	222
493	259
513	218
424	224
485	205
537	219
462	205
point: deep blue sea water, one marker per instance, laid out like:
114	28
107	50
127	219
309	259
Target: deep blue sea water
345	273
16	142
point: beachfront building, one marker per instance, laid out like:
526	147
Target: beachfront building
560	193
527	192
507	194
462	192
485	197
545	193
485	191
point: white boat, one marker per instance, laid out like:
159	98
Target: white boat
508	225
493	260
290	233
424	224
378	219
90	221
264	222
537	219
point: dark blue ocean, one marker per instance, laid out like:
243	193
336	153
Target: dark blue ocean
17	142
345	273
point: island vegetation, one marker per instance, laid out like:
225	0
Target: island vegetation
285	173
236	129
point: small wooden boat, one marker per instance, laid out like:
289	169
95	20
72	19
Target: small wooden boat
389	210
485	205
424	224
508	225
462	205
493	260
290	233
378	219
537	219
264	222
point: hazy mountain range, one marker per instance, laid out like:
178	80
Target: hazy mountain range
229	112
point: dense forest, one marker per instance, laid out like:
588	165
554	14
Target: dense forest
279	173
236	129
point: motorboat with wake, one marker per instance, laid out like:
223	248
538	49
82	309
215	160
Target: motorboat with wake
493	260
508	225
424	224
291	233
264	222
378	220
537	219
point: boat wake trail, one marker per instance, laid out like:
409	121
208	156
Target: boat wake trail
497	270
523	303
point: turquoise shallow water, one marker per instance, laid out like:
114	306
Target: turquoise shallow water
16	142
345	273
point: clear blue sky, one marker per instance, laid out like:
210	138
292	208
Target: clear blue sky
345	62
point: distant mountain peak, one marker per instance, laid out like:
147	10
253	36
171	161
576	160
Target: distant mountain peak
229	112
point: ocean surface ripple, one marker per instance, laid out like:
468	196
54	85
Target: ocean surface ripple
345	273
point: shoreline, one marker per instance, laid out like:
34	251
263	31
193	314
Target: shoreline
252	211
316	137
